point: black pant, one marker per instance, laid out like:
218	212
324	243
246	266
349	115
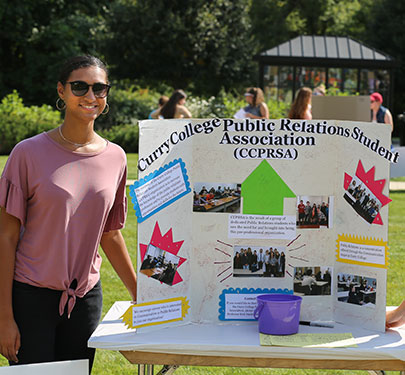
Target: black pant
45	335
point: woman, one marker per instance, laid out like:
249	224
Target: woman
301	108
174	108
257	108
237	262
161	102
62	193
314	214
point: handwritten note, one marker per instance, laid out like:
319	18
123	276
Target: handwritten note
310	340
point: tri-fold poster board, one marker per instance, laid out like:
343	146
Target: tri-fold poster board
230	209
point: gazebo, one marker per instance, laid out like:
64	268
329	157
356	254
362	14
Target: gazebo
340	62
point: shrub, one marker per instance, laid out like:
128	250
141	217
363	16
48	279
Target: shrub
124	135
225	105
127	106
18	122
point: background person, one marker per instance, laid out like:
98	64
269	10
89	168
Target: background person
161	102
379	113
62	193
320	90
301	107
174	108
256	108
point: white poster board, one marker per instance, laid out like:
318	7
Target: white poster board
224	220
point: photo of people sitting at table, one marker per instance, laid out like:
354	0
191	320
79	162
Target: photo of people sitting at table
159	264
259	261
357	290
312	281
363	201
216	197
313	211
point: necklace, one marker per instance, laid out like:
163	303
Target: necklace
72	143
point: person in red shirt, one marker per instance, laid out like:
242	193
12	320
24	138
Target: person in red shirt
301	212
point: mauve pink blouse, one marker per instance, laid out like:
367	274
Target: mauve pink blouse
65	200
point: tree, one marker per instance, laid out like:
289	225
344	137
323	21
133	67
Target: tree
385	32
204	45
37	35
275	22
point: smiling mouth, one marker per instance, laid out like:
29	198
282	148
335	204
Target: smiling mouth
89	106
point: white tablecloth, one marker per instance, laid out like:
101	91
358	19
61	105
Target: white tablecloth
239	339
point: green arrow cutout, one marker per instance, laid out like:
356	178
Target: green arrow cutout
263	192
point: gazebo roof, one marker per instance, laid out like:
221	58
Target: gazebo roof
330	51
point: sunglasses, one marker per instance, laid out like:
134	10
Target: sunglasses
80	88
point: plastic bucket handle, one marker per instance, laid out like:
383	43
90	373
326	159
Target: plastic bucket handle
258	310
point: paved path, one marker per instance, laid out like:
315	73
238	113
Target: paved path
394	185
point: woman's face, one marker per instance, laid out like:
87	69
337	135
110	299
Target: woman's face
182	101
87	107
374	105
249	98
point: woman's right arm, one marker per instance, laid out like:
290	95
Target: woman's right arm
9	333
155	115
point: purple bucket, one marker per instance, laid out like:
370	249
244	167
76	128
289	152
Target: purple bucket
278	314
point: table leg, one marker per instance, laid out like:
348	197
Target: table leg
168	370
376	372
145	369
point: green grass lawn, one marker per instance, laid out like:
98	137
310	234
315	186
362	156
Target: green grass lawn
113	363
3	159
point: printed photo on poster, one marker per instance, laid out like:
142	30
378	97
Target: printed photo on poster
313	212
357	290
312	281
216	197
160	265
259	261
362	199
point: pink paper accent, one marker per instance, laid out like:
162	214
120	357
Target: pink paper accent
142	249
181	261
348	180
164	243
177	279
378	220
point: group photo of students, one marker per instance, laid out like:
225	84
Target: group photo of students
159	264
363	201
259	261
314	281
216	197
312	211
357	290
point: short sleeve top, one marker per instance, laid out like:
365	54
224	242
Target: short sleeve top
64	200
